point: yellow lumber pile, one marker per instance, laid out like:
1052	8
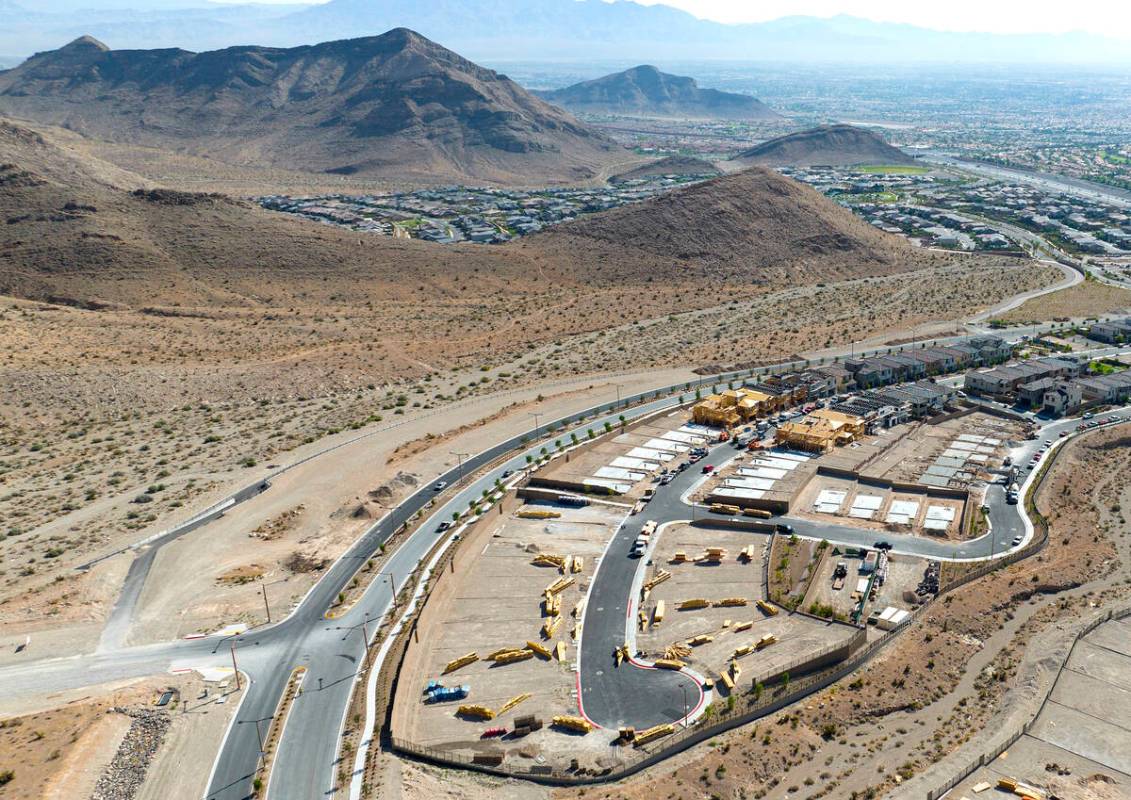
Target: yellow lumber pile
549	560
745	650
713	554
560	651
626	733
747	553
658	614
499	652
745	625
702	638
573	723
656	580
727	681
724	508
691	605
643	737
551	604
642	619
577	564
669	663
677	650
679	557
560	585
514	701
767	609
537	513
511	656
550	627
539	649
478	712
462	661
765	641
730	602
579	609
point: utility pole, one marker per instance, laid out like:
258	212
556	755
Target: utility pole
459	460
536	416
618	393
392	591
235	667
266	605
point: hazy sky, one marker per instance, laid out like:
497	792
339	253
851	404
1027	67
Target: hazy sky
1108	17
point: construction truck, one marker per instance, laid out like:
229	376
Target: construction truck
839	575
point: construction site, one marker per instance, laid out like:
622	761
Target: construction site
920	477
496	644
710	613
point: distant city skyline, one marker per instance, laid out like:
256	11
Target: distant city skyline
1006	16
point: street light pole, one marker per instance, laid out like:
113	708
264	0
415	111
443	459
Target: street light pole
536	416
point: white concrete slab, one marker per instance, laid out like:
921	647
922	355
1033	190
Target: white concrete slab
625	462
729	491
614	485
666	445
750	483
941	513
617	472
763	472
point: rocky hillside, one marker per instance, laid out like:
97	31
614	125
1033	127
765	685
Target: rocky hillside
645	91
828	145
751	227
672	165
395	105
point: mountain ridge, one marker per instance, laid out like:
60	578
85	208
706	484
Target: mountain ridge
646	91
838	145
396	105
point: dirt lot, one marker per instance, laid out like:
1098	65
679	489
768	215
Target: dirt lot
1085	299
62	753
494	601
797	635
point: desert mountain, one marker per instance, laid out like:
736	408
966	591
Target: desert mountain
751	227
671	165
828	145
645	91
395	105
85	231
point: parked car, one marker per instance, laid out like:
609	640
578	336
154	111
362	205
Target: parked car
443	526
664	481
1017	540
708	468
508	473
439	486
